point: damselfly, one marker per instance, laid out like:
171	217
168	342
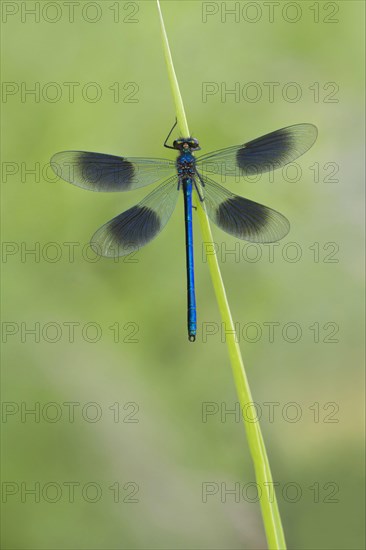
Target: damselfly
236	215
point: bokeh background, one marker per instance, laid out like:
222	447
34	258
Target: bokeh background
137	450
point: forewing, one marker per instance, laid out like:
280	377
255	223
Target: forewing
263	154
137	226
241	217
101	172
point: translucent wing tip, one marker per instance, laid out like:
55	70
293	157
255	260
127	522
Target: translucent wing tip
305	131
55	163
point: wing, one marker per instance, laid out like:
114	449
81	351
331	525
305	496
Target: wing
263	154
241	217
137	226
100	172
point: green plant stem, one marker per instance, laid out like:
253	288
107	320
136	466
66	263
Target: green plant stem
268	501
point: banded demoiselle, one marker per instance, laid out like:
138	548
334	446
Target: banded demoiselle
234	214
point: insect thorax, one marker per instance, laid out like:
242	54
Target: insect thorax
186	164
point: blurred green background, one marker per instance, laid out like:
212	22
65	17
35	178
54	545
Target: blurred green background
136	385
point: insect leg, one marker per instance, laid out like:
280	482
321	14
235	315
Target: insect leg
170	133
